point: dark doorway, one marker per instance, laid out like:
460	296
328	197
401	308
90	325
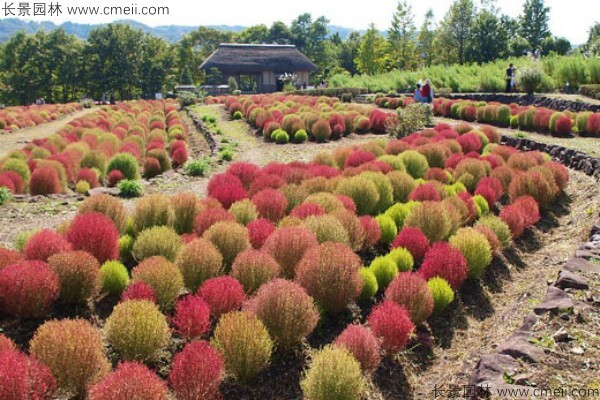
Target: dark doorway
279	85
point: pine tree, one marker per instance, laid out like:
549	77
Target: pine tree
401	38
534	22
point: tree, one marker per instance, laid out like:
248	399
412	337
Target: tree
310	37
592	46
456	30
372	58
279	33
348	52
489	37
155	66
426	38
255	34
534	22
401	37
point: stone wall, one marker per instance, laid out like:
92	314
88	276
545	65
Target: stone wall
522	100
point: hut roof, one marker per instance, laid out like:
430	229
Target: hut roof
255	58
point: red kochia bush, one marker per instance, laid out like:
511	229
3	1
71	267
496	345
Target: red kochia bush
426	192
244	171
197	372
306	210
362	344
209	217
371	228
44	244
563	125
17	181
469	142
358	157
413	240
114	177
593	124
347	202
28	289
222	180
130	380
139	291
192	317
7	183
95	233
44	181
514	218
529	208
411	291
329	273
288	246
446	262
392	325
259	231
223	294
271	204
23	377
6	344
228	194
254	268
9	257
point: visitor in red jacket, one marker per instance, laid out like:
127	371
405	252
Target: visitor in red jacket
426	92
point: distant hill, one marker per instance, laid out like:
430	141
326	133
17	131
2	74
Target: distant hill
171	33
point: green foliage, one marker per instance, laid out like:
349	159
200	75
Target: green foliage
237	115
82	187
388	227
476	249
415	163
127	164
4	195
442	293
530	79
114	277
199	167
385	270
18	166
403	259
409	119
300	136
130	188
244	210
157	241
370	285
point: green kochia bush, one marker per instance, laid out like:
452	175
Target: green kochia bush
113	277
388	227
370	286
476	249
127	164
363	192
157	241
415	163
442	293
385	270
163	277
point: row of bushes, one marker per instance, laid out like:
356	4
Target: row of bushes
592	91
286	118
104	147
12	118
268	259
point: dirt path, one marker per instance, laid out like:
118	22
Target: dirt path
16	140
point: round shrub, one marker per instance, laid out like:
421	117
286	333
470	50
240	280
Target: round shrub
333	373
45	243
446	262
385	270
388	228
139	291
300	136
415	163
28	289
410	290
198	261
244	211
329	273
153	210
78	275
9	257
163	277
306	210
363	345
532	184
498	226
363	192
288	246
442	294
403	259
6	344
392	325
259	231
197	372
24	377
109	206
130	380
137	330
77	365
223	294
370	285
513	217
353	227
254	268
44	181
476	249
230	238
287	311
371	230
113	277
432	219
151	167
191	318
18	166
185	209
328	201
127	164
157	241
244	344
95	233
327	228
271	204
282	137
321	130
530	209
209	217
95	160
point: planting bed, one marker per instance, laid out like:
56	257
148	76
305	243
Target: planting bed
381	249
14	118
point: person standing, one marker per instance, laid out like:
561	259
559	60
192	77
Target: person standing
417	93
426	92
510	78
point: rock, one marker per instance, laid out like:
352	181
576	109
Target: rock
556	300
581	265
568	279
491	368
528	323
577	351
561	335
103	190
518	346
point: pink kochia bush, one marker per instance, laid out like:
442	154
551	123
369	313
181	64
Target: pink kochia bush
95	233
44	244
413	240
223	294
259	231
411	291
192	317
197	372
130	380
363	345
271	204
288	246
392	325
28	289
139	291
329	273
23	377
446	262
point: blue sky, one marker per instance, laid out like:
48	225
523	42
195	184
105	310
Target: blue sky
569	18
